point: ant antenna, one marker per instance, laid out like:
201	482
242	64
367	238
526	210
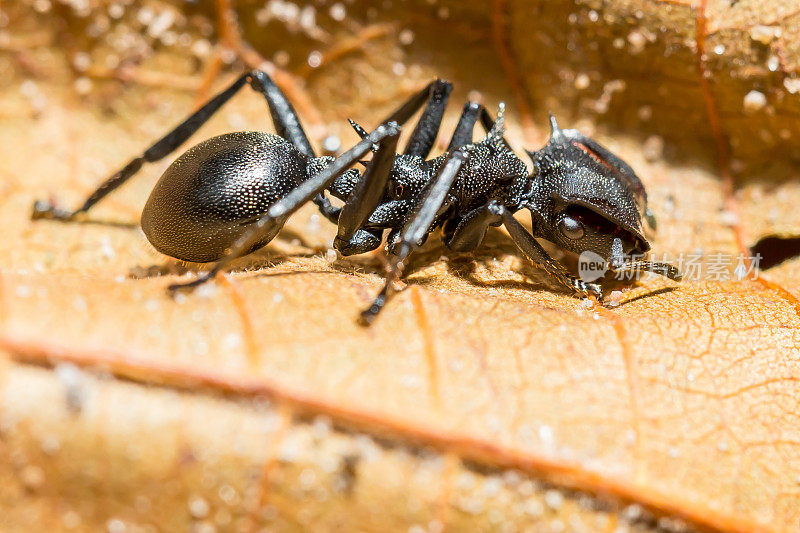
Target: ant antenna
664	269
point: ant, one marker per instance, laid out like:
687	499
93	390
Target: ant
231	194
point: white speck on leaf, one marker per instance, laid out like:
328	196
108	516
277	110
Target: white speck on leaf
754	101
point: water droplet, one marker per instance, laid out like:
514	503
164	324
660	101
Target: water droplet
773	63
534	508
728	217
32	477
582	81
754	101
632	512
406	37
307	478
554	499
71	520
337	12
206	290
792	85
674	452
331	143
51	445
23	291
83	86
231	341
315	59
115	525
637	41
653	148
492	486
198	507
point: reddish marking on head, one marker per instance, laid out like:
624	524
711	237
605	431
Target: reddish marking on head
594	155
638	188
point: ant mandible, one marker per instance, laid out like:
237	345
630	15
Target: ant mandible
231	194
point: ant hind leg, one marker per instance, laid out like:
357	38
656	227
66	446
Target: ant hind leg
159	150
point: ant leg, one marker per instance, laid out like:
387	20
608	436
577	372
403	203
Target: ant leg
531	248
162	148
471	229
462	135
369	190
284	117
470	232
402	114
280	211
424	135
366	196
288	126
417	225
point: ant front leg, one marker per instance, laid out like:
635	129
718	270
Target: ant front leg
417	226
470	233
365	198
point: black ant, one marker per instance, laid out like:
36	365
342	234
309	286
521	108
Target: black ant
231	194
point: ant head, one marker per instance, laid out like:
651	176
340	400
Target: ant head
590	199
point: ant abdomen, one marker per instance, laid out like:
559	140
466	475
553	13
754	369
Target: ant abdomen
212	194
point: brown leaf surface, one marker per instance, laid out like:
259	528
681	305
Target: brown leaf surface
481	397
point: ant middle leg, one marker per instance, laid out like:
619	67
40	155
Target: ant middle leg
462	134
352	237
424	135
417	226
465	127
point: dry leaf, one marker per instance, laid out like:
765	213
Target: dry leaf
482	398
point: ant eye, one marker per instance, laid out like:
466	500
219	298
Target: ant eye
570	228
398	191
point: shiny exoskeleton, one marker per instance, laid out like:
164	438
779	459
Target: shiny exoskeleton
232	194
